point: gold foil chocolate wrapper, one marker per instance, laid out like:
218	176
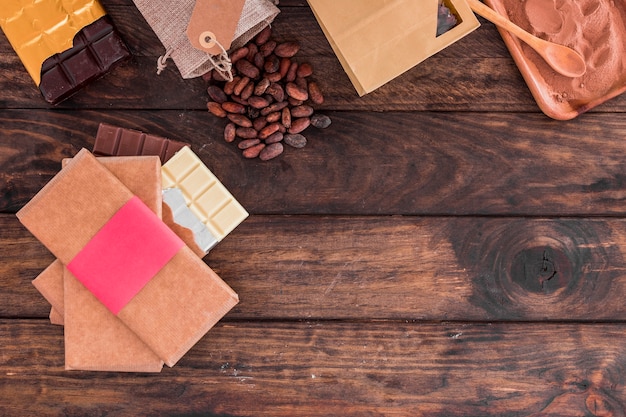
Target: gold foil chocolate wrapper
40	29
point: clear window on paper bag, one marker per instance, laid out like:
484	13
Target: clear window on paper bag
447	17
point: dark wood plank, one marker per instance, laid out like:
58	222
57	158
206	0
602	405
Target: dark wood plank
476	74
347	369
365	163
292	267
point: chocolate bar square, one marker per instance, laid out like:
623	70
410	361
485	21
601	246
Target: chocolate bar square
97	49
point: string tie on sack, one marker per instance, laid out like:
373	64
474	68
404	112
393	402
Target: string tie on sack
161	61
221	62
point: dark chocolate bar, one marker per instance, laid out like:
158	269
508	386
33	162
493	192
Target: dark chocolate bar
96	50
118	141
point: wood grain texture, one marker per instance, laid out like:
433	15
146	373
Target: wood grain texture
291	267
443	249
348	369
365	163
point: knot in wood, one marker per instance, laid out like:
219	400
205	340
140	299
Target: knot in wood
541	269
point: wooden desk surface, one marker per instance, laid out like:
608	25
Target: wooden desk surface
442	249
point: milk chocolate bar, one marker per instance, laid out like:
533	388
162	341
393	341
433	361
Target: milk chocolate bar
204	194
106	236
118	141
63	45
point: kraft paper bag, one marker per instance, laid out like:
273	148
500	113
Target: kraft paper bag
378	40
127	257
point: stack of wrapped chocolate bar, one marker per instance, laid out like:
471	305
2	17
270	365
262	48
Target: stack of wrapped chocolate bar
129	284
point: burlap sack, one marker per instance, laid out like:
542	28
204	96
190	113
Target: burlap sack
169	20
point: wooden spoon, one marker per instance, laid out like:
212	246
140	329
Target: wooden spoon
562	59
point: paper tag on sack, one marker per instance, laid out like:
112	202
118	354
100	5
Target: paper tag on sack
213	22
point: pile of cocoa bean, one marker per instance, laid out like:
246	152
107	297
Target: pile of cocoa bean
269	100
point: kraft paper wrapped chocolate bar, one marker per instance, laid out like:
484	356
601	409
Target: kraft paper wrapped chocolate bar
142	176
94	338
64	45
127	257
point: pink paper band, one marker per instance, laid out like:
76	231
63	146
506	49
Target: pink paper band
125	254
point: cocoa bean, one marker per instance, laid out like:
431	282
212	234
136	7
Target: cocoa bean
278	106
274	137
239	120
302	111
248	143
291	73
273	117
238	54
295	140
263	36
261	87
294	91
259	60
267	48
247	92
304	70
246	68
268	130
259	123
239	100
271	151
216	109
315	93
282	129
207	76
276	91
252	51
243	82
269	98
234	108
321	121
246	132
230	132
274	76
258	102
286	117
271	64
298	125
293	102
253	151
216	94
287	49
229	87
285	64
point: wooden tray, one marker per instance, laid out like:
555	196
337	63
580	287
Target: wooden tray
601	42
